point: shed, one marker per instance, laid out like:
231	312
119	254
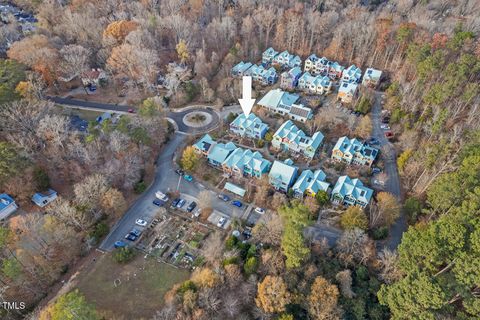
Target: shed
235	189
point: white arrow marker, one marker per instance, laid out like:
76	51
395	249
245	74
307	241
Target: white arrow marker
247	102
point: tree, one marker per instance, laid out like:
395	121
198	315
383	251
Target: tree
354	217
10	161
312	205
412	208
262	188
70	306
345	279
123	255
388	210
364	128
149	108
295	219
190	159
269	229
74	61
364	105
272	295
120	29
11	73
89	192
182	51
250	266
268	136
205	199
322	300
205	277
113	201
322	198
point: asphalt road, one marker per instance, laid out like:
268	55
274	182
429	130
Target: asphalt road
392	184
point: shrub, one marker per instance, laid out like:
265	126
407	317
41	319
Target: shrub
250	266
231	242
231	260
101	229
140	187
123	255
380	233
186	286
354	217
41	178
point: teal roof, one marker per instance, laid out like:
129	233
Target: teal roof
221	151
288	130
251	122
354	188
235	189
284	172
353	73
277	97
205	143
352	146
240	158
314	181
241	67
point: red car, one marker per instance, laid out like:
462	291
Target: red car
131	110
388	134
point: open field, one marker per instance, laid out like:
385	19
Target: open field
131	291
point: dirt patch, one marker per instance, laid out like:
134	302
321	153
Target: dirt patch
131	291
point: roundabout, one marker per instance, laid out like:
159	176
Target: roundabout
194	120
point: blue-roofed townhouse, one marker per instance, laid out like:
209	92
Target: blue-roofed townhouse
268	76
322	66
352	74
347	91
220	152
251	126
351	192
287	60
245	162
268	55
7	206
289	79
335	71
282	175
309	183
305	81
321	85
291	139
282	102
371	78
310	62
353	151
43	199
240	69
204	145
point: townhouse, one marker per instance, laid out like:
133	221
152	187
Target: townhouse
283	103
268	55
291	139
315	84
335	71
353	151
352	74
371	78
350	192
347	91
219	153
310	63
289	79
309	183
204	145
287	60
246	163
249	126
282	175
240	69
260	74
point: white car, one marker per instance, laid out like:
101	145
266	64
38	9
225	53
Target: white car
141	222
162	196
385	126
379	182
221	222
197	213
259	210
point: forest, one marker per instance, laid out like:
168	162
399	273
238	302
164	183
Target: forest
429	51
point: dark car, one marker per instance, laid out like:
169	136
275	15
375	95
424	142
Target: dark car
136	232
131	237
180	172
181	203
376	170
191	206
175	202
373	141
236	203
224	197
157	202
386	120
120	244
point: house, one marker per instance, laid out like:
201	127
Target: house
335	71
371	78
283	103
287	60
219	153
282	175
262	75
289	79
43	199
310	183
245	162
310	62
352	74
322	66
347	91
268	55
353	151
321	85
291	139
305	81
93	77
7	206
240	69
350	192
204	145
249	126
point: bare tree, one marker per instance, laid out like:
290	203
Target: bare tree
344	278
75	60
390	271
205	199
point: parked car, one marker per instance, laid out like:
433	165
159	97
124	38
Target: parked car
181	203
136	232
180	172
197	213
236	203
376	170
221	222
385	126
157	202
162	196
224	197
120	244
386	120
379	182
247	233
131	237
131	110
141	222
259	210
191	206
388	134
373	141
175	202
188	177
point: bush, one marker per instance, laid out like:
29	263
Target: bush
231	242
123	255
260	143
364	105
413	208
140	187
380	233
42	180
231	116
186	286
250	266
231	260
101	229
322	197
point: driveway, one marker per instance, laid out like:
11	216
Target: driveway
393	183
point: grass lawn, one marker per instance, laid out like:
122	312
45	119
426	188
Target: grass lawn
141	286
88	115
